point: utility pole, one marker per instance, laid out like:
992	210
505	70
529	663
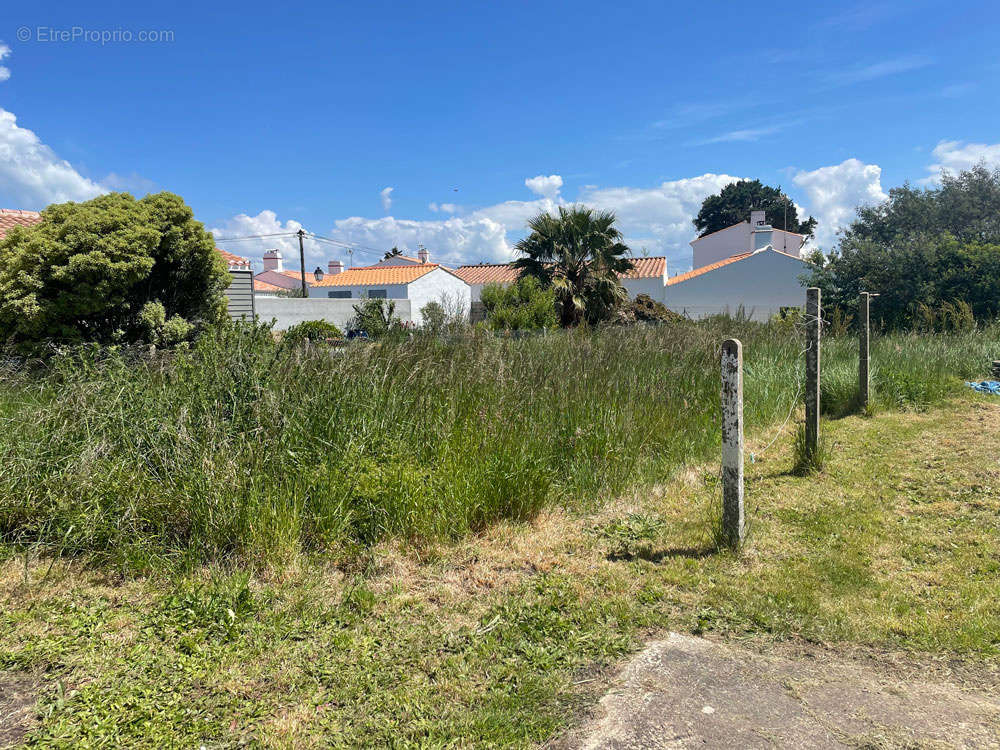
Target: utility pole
302	262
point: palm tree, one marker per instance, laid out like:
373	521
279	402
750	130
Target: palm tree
578	253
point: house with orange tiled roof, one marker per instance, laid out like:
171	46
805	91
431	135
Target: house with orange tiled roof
648	276
397	277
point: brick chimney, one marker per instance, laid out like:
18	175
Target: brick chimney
335	266
423	255
273	261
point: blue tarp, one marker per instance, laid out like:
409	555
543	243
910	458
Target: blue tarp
991	387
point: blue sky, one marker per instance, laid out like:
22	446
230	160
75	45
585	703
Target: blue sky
477	115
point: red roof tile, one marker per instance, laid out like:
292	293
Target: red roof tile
13	217
367	275
505	273
705	269
235	262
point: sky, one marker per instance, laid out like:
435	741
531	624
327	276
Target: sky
449	124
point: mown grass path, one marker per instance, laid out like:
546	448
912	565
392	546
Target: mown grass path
509	637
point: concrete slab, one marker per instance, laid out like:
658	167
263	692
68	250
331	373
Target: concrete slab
686	692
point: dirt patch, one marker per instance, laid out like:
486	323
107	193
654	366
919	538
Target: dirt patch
18	694
686	692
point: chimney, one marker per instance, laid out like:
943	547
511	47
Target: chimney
335	266
423	255
760	231
273	261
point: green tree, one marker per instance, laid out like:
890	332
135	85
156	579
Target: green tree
376	317
966	206
88	271
578	254
521	306
733	203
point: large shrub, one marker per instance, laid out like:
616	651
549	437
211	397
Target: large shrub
88	270
313	330
521	306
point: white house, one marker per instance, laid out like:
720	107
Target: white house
761	283
744	237
411	282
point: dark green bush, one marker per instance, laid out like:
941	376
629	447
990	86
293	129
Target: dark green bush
313	330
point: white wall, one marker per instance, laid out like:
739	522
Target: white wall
289	311
440	286
761	284
392	291
736	239
653	287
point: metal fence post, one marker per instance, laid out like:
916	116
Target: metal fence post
732	442
864	376
813	325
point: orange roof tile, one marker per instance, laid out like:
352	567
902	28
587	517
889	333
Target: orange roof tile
235	262
505	273
14	217
705	269
488	273
368	275
263	286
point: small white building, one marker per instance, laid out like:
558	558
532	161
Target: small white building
413	282
744	237
761	284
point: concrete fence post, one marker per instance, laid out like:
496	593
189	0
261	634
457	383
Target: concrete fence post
864	376
732	442
814	323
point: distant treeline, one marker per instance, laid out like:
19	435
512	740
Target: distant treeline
931	254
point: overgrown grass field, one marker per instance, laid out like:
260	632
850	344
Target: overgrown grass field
248	451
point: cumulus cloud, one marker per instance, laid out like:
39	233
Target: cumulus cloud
31	175
266	223
547	187
4	70
658	219
835	191
386	194
955	156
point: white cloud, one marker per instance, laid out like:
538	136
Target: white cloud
31	175
386	194
4	70
446	208
834	192
659	218
264	223
547	187
872	72
656	219
955	156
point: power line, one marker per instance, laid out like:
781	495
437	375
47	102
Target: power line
254	237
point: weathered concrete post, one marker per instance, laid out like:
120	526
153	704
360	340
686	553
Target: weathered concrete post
732	442
813	325
864	378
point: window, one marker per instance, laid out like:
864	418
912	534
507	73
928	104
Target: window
376	294
339	294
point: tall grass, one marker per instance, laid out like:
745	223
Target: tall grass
244	449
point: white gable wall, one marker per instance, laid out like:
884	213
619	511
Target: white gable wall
736	239
443	287
761	285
